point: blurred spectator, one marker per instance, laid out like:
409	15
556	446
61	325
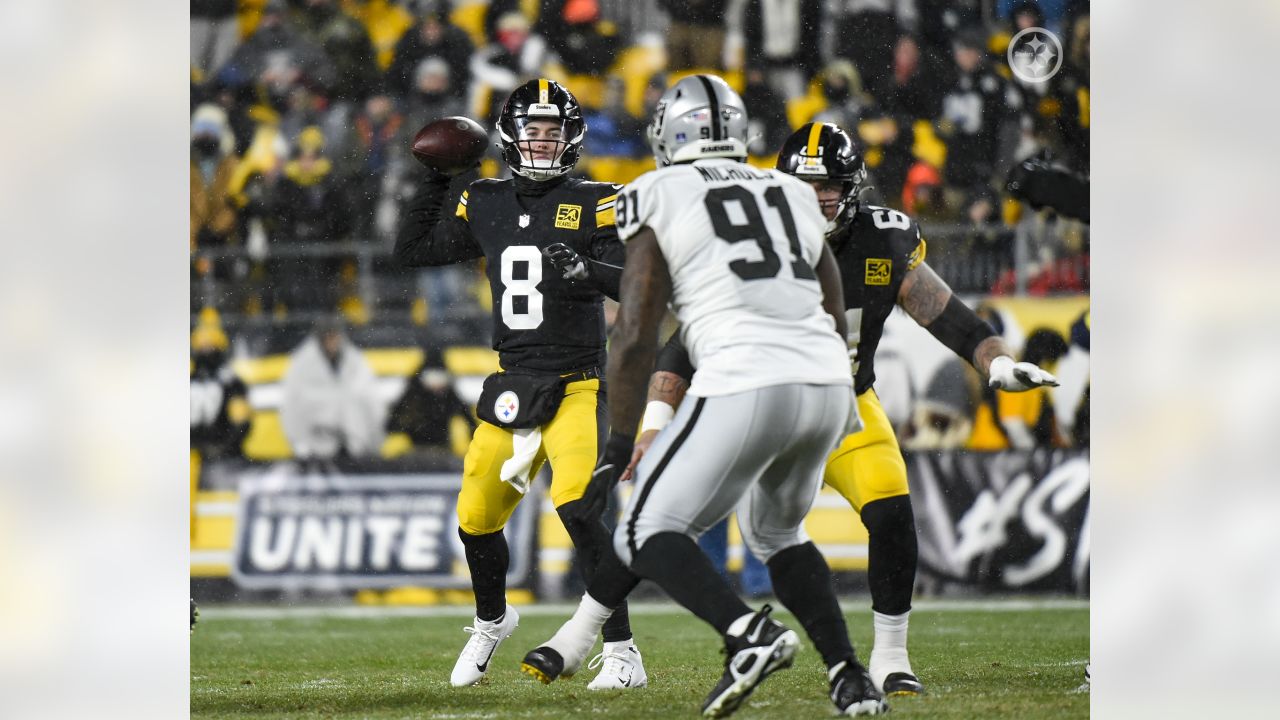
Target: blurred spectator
444	50
213	214
220	411
614	131
914	88
311	201
866	31
346	42
974	111
779	40
500	67
889	141
301	200
847	101
922	192
429	407
331	406
386	21
278	58
214	33
433	94
584	41
940	20
374	160
767	122
695	37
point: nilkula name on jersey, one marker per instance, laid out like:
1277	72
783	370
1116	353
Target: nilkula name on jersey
721	174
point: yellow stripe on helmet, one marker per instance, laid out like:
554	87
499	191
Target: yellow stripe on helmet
544	91
815	132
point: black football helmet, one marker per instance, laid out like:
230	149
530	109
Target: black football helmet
824	152
541	100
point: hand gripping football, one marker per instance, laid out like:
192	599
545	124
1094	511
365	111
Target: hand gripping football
450	145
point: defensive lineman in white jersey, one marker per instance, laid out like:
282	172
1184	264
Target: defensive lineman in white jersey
739	254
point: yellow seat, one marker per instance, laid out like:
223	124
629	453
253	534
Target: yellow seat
470	17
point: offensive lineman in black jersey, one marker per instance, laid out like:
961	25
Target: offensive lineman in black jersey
881	257
552	254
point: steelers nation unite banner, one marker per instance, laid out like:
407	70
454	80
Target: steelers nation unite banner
354	531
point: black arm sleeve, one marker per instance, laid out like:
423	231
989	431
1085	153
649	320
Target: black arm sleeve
960	329
1044	185
674	358
426	238
605	261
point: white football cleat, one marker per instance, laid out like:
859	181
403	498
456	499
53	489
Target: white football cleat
473	663
622	667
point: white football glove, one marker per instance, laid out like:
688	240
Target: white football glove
1018	376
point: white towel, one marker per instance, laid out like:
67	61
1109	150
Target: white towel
516	470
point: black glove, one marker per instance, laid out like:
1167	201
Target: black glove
567	261
616	457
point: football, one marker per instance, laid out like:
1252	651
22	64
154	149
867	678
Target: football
451	144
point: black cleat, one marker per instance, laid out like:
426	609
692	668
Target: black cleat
543	663
902	684
766	647
853	692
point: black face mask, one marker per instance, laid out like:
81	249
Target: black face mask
837	93
205	146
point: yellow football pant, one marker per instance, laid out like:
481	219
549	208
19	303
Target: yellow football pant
570	441
868	464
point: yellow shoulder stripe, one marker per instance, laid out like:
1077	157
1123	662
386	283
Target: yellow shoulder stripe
917	256
602	203
462	206
604	216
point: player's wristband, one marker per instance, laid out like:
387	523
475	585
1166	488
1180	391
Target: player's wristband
657	415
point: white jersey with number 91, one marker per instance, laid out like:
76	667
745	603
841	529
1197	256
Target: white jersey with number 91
741	244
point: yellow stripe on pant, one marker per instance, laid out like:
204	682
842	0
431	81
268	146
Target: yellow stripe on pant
868	464
569	441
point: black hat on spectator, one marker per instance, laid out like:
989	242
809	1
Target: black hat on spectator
972	37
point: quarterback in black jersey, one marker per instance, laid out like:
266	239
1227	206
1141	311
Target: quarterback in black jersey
881	255
552	254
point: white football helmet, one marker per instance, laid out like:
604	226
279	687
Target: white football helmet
698	117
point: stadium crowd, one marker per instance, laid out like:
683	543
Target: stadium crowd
302	113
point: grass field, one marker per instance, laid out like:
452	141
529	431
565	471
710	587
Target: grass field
1016	660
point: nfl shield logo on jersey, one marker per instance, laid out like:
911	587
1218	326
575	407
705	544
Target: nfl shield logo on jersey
524	221
507	406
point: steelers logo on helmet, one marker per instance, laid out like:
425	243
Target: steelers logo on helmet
541	129
826	157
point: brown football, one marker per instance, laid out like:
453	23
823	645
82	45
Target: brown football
450	144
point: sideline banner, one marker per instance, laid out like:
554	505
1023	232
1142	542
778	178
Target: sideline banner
353	531
1012	520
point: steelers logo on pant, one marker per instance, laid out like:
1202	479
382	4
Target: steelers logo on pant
507	406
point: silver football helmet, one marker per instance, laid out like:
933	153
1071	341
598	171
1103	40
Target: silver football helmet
698	117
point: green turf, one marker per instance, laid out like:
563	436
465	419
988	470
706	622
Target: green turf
975	663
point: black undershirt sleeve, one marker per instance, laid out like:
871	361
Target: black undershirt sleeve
674	358
431	234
